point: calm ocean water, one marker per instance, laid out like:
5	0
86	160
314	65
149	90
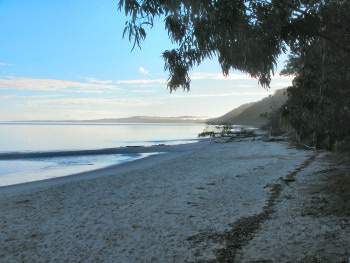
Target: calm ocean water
31	138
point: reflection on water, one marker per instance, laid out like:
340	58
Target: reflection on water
61	137
53	137
22	171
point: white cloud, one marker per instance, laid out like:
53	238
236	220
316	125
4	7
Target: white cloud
244	86
39	96
141	81
219	76
266	93
279	77
232	76
13	83
93	80
5	64
199	76
4	97
93	102
143	91
60	114
281	84
143	71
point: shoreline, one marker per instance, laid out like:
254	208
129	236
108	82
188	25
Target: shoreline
104	151
105	171
175	207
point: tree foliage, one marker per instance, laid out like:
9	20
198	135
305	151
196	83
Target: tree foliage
318	108
247	35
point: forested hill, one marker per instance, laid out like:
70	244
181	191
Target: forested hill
249	114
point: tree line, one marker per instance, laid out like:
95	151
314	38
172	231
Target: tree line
249	35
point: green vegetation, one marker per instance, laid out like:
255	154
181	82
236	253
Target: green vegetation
331	194
249	35
251	113
231	116
227	132
318	107
332	197
339	187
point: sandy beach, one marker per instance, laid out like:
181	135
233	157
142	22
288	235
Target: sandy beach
180	206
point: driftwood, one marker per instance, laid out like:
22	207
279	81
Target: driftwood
228	133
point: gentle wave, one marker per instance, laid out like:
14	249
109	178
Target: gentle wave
15	171
33	155
31	152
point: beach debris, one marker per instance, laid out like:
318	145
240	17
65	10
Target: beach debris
275	139
22	201
280	181
310	147
242	230
228	133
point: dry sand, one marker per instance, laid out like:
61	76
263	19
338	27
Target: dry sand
173	207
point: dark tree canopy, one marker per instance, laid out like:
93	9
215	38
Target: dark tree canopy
247	35
318	108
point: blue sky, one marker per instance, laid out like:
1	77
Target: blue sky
63	59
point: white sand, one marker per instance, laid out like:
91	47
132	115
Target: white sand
298	228
144	211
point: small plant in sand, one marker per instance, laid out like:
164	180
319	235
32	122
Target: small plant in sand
226	132
339	187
